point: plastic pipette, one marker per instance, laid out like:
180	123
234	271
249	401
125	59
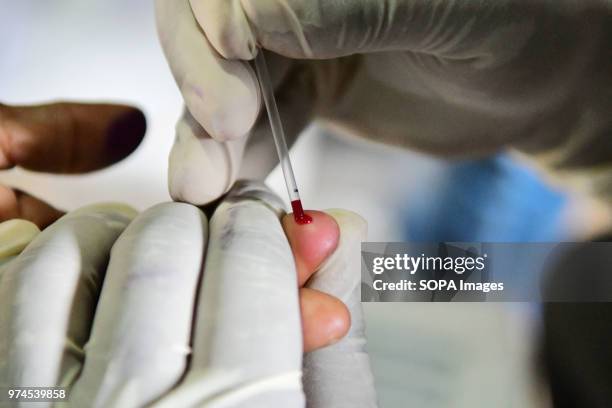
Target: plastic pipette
261	68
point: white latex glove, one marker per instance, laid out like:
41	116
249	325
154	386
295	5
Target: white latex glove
138	324
450	77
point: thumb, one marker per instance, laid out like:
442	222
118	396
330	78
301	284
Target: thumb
222	95
202	168
330	29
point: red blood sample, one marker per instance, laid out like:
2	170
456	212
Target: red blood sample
298	213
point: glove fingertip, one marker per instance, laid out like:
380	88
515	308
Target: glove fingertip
194	180
228	108
123	210
349	223
226	27
185	188
15	235
201	169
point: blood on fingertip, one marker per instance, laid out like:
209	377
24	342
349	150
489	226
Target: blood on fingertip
299	215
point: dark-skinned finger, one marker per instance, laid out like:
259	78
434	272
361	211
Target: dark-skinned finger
17	204
68	138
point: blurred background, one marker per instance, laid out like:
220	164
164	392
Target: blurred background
424	355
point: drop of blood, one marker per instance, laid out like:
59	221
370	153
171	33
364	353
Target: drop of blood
298	213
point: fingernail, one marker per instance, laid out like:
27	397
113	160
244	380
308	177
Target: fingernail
125	134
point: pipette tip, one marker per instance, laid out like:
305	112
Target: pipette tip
278	134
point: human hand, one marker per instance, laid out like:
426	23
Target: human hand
140	323
63	138
448	77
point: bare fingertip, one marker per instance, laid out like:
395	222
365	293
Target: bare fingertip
325	319
339	324
125	133
311	243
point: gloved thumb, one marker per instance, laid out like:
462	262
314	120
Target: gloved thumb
331	29
202	168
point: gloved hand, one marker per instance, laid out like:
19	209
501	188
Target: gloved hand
449	77
63	138
117	310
